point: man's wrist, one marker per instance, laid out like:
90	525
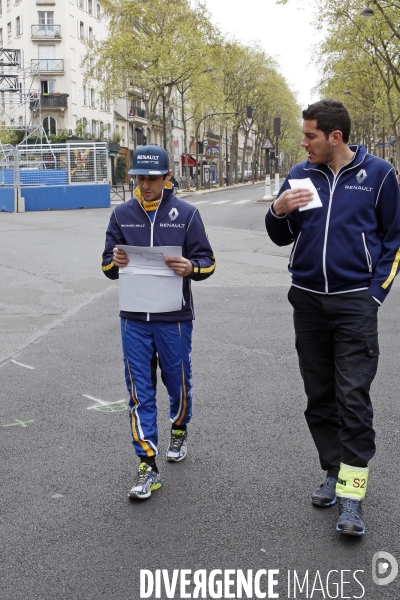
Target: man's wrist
275	213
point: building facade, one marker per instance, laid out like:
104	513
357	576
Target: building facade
47	85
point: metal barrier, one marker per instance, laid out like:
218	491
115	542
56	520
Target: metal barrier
7	165
63	164
117	193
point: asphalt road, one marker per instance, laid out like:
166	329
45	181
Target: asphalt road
241	499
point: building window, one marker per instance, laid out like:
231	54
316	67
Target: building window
46	17
17	2
1	8
98	12
90	6
84	95
94	128
49	126
1	37
18	26
9	31
84	124
81	31
90	34
81	4
8	4
92	98
48	86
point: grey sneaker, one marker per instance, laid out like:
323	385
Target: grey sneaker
325	495
350	521
146	482
177	449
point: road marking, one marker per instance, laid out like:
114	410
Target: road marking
21	365
103	406
23	424
200	202
220	202
242	201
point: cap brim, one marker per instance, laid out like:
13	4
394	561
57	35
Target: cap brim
147	172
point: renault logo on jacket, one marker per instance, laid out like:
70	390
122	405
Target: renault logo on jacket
173	213
361	176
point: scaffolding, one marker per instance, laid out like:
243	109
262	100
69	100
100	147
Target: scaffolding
17	92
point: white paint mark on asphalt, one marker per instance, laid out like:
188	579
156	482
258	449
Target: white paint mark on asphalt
21	365
220	202
101	403
18	423
200	202
55	496
242	202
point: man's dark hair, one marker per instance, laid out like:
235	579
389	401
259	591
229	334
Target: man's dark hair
331	115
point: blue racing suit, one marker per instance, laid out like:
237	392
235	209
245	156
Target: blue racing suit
167	337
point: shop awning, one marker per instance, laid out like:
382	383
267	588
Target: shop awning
191	160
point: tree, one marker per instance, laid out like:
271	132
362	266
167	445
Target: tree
156	45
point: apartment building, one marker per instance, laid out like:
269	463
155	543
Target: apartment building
48	81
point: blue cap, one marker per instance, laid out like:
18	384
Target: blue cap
150	160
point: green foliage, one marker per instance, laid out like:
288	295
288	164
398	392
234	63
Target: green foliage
171	50
9	135
60	138
120	169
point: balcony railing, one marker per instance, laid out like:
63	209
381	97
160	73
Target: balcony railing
40	32
137	112
50	101
48	64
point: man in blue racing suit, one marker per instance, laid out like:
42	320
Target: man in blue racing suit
345	255
156	217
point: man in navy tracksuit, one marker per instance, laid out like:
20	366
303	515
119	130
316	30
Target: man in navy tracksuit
155	217
344	259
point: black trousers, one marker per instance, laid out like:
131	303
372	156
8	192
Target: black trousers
337	346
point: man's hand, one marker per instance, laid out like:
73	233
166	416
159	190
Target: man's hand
181	266
120	258
290	200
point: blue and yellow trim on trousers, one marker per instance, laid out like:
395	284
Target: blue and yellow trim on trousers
142	343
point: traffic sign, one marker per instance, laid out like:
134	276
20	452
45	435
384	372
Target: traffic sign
267	144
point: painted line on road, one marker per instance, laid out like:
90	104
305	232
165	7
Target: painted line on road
200	202
21	365
242	202
220	202
103	406
22	424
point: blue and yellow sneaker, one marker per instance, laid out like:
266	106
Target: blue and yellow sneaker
146	482
350	521
325	495
177	449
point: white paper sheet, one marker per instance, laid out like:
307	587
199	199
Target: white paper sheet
307	184
147	284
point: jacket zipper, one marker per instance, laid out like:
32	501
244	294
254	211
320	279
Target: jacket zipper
294	250
152	232
367	254
331	191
